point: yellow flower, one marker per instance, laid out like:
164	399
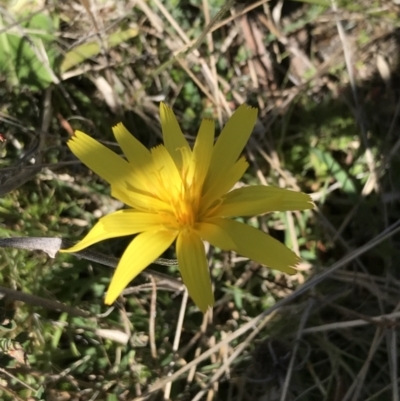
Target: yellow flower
180	194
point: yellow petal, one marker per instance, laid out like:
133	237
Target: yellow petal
202	152
166	171
137	154
141	201
174	139
257	245
194	269
118	224
259	199
231	142
104	162
216	235
142	251
223	184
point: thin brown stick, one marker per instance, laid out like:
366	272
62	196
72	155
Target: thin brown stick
175	345
393	355
233	356
299	334
34	300
152	318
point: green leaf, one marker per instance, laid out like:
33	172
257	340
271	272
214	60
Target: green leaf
87	50
332	167
20	57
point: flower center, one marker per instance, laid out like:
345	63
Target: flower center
183	199
184	206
